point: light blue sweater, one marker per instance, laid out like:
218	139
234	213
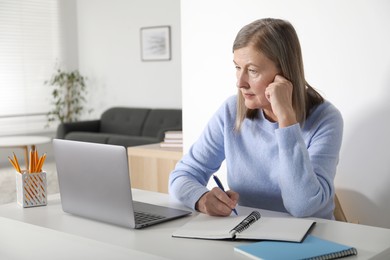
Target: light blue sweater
289	169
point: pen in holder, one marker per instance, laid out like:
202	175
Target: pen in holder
31	189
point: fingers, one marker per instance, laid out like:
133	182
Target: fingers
280	78
280	87
233	196
279	94
217	203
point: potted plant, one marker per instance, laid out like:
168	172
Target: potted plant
69	90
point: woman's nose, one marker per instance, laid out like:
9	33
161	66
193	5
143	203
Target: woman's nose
242	82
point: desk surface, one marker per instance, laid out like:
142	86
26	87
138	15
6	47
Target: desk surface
26	241
157	240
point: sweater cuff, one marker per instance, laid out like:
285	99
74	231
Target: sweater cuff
288	136
196	196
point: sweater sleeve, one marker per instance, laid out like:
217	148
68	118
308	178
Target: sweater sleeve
308	169
188	181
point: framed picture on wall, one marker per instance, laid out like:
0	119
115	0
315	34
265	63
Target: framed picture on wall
156	43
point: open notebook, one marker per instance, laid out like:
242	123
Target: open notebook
245	227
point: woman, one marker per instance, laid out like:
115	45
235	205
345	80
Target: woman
279	137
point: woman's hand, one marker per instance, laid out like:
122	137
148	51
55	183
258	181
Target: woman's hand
279	94
217	202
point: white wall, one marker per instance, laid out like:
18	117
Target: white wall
68	25
347	57
109	54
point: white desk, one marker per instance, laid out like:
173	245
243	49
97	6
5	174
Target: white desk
156	240
26	241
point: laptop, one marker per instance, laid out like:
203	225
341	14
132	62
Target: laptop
94	183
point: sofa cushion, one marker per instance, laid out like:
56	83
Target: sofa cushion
161	120
123	120
88	137
127	141
81	126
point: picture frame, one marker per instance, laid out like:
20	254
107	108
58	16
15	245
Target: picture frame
156	43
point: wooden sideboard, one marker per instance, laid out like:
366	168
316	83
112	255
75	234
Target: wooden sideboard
150	166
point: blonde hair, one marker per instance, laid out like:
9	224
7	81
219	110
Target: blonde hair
278	40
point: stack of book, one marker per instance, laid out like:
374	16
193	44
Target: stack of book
173	139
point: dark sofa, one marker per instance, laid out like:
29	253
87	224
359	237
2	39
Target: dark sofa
124	126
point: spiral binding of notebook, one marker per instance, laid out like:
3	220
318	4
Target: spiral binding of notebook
348	252
312	248
246	223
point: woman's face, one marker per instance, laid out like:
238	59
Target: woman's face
254	72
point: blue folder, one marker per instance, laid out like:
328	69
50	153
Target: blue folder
312	247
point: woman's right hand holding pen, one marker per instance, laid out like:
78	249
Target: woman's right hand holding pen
217	202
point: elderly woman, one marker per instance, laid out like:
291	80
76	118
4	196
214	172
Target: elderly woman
280	138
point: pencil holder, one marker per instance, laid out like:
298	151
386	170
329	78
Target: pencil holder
31	189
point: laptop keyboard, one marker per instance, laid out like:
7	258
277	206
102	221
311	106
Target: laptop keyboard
144	217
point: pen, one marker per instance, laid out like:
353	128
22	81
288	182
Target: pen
219	183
